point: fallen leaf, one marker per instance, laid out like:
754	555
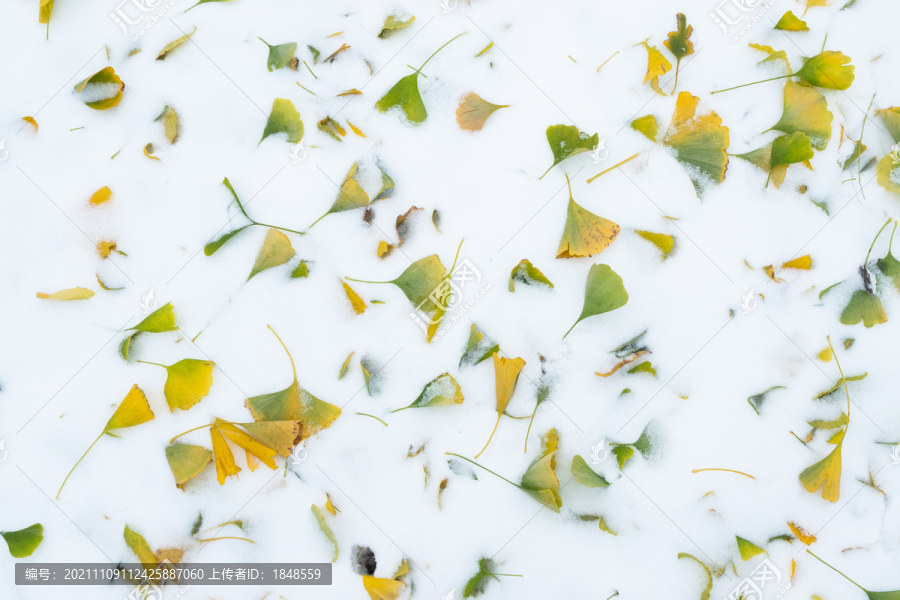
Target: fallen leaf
699	142
803	535
357	303
320	519
169	118
791	22
186	461
77	293
506	374
748	549
527	273
24	542
101	196
141	548
646	125
679	43
866	307
440	391
665	243
187	382
44	11
332	128
103	87
829	70
584	234
170	47
584	475
604	292
393	24
276	250
350	196
709	580
280	55
32	122
284	118
806	110
566	141
474	110
478	348
657	65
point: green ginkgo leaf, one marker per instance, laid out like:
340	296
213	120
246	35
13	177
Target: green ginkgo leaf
478	348
828	70
440	391
187	382
806	110
280	55
159	321
644	444
527	273
186	461
566	141
791	22
350	196
603	292
214	245
284	118
584	475
105	86
24	542
275	251
757	400
777	155
748	549
889	265
866	307
393	24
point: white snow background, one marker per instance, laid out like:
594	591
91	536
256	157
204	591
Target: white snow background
61	374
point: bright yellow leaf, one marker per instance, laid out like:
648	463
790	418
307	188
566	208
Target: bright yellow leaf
77	293
358	304
101	196
585	233
657	65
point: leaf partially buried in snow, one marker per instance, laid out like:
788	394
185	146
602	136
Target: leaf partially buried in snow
540	481
320	519
791	22
102	90
806	110
159	321
527	273
699	142
474	110
169	118
709	580
186	461
644	444
891	118
440	391
866	307
748	549
284	118
357	303
294	404
101	196
255	448
889	265
332	128
280	55
141	548
657	65
476	585
478	348
76	293
773	54
888	173
506	374
665	242
393	24
170	47
276	250
783	151
585	233
350	196
603	292
839	384
756	401
647	125
24	542
566	141
133	410
187	382
584	475
380	588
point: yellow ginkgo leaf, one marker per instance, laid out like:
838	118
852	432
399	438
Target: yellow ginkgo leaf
252	446
657	65
105	247
825	474
141	548
585	233
700	142
32	122
384	249
380	588
101	196
791	22
506	374
811	3
170	47
647	125
320	519
806	110
773	54
169	118
665	243
474	110
224	459
44	11
358	304
802	262
802	535
275	251
187	383
76	293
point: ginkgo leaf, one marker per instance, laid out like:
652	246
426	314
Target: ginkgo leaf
584	475
825	474
478	348
171	46
644	444
403	224
866	307
141	548
148	152
709	580
132	411
757	400
604	292
393	24
45	10
829	70
566	141
380	588
647	125
294	404
506	374
840	382
802	535
159	321
889	265
665	242
169	118
644	367
320	519
284	118
783	151
345	365
301	271
811	3
801	262
891	118
279	55
440	391
280	436
895	595
350	196
540	480
276	250
806	110
76	293
102	90
584	233
357	303
527	273
187	382
24	542
101	196
105	248
387	186
773	54
332	128
254	449
888	174
748	549
186	461
474	110
657	65
679	43
699	141
203	2
476	585
791	22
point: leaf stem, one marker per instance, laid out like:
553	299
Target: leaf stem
227	537
843	379
499	414
419	70
277	227
264	42
376	418
570	329
288	352
727	470
842	575
204	427
875	240
455	258
365	281
485	468
753	83
615	166
677	64
147	362
76	464
547	171
861	132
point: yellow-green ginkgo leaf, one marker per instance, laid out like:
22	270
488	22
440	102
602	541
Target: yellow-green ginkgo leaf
275	251
866	307
806	110
791	22
350	196
773	54
320	519
825	474
76	293
888	172
527	273
783	151
604	292
709	580
506	375
584	475
284	118
566	141
478	348
665	243
332	128
171	46
474	110
293	404
102	90
186	461
829	70
585	233
141	548
45	10
647	125
279	55
188	381
253	448
380	588
748	549
393	24
280	436
699	142
891	118
159	321
657	65
169	118
540	480
440	391
24	542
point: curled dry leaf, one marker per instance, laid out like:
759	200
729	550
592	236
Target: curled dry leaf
102	90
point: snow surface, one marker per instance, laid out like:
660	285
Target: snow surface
61	374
